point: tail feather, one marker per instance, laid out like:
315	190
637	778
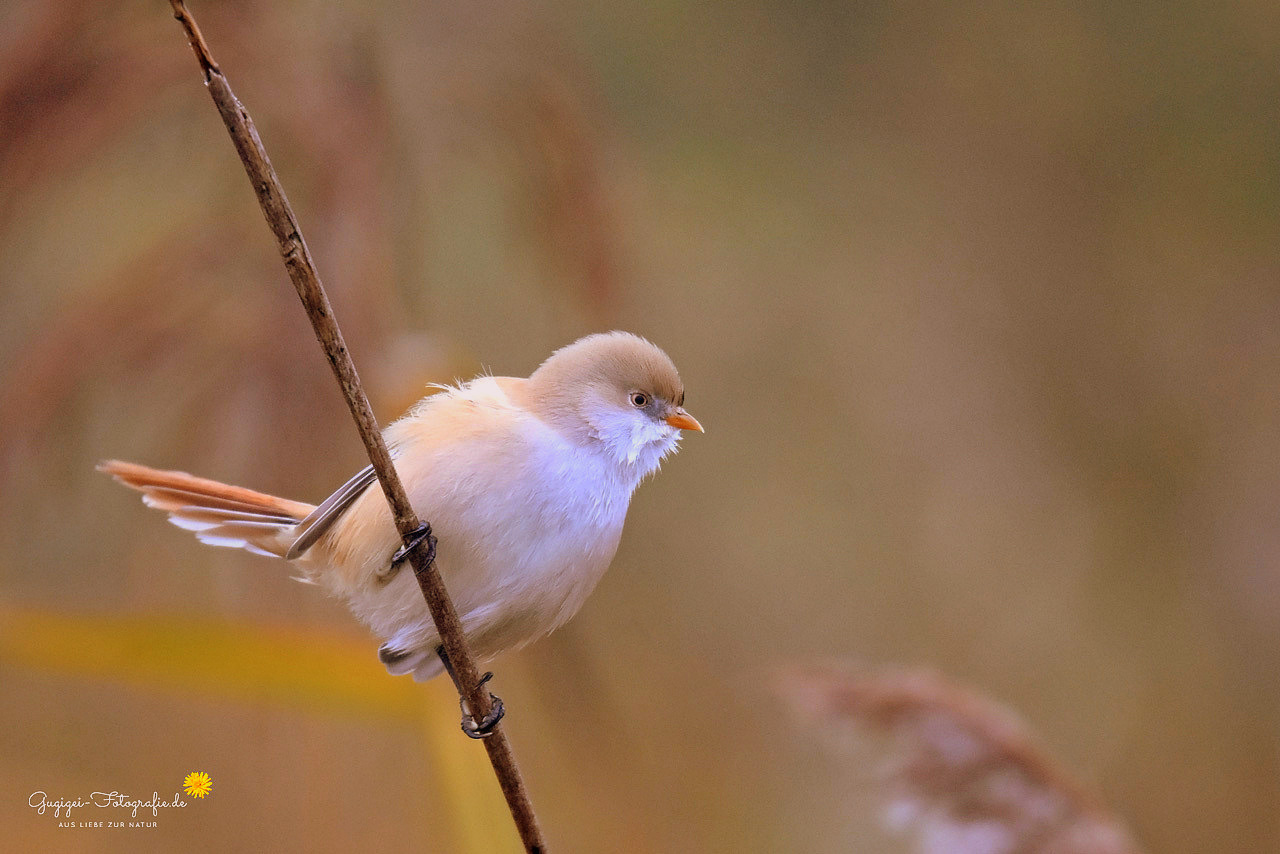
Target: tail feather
216	515
219	514
170	498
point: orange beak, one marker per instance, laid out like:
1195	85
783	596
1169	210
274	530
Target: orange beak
683	420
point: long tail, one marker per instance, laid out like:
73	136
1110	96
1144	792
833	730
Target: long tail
219	514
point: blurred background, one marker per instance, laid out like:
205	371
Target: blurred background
978	303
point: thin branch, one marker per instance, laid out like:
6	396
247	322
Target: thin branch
297	259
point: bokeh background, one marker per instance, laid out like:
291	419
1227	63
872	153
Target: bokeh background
979	303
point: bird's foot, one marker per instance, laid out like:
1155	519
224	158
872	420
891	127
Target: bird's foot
482	728
423	533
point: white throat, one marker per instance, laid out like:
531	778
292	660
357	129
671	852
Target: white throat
634	443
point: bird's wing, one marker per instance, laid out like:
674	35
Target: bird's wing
322	518
437	421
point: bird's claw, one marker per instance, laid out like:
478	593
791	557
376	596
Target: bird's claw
422	533
484	727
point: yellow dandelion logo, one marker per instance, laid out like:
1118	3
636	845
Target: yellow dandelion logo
197	784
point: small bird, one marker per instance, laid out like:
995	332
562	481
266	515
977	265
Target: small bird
525	483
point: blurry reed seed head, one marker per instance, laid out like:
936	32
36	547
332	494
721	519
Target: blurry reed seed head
962	774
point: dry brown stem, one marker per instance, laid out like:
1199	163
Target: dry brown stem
302	272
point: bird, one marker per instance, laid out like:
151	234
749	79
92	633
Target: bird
524	482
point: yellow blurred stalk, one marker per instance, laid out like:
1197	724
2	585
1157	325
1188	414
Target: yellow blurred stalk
312	672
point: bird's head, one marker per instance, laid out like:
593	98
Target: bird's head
616	393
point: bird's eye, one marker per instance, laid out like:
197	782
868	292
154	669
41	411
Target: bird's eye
639	398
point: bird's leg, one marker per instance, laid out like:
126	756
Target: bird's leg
448	667
416	539
475	729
